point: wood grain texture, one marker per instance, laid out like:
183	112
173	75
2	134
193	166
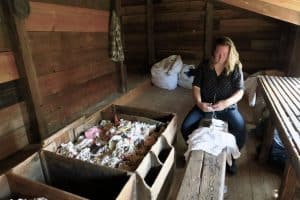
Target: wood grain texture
61	109
13	117
51	17
12	142
288	184
92	4
62	80
8	68
286	11
192	178
11	93
26	68
49	42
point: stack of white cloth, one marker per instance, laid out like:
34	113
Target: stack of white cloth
213	140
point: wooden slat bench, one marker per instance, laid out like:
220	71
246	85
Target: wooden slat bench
204	176
282	98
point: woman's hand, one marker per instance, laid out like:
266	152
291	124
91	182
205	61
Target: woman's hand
220	105
205	107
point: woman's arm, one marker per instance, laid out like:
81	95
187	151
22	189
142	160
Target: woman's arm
205	107
236	97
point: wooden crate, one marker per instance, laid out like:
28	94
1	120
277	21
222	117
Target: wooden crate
154	174
72	179
159	159
72	131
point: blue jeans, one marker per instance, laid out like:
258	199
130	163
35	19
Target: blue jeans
231	115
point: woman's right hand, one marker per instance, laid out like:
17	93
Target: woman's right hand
205	107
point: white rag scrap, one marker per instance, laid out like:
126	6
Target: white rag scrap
213	141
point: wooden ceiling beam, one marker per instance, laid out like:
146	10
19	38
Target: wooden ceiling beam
288	11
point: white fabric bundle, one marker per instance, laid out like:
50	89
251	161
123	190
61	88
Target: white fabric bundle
165	73
213	141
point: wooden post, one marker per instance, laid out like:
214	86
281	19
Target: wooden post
293	69
209	22
288	184
26	66
150	33
267	142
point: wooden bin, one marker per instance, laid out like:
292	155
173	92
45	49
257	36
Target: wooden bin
72	131
153	176
72	179
14	187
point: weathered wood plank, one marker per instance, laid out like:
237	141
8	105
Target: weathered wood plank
283	128
51	17
62	80
46	42
92	4
5	44
10	93
22	50
213	177
22	186
248	25
64	108
13	117
288	184
150	33
287	11
59	61
173	6
208	30
8	68
190	186
289	116
12	142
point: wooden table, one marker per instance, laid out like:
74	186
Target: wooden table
282	96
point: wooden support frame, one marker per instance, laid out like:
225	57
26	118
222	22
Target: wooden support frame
26	69
267	141
288	184
209	20
288	11
150	33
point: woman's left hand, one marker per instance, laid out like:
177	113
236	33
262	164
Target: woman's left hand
220	105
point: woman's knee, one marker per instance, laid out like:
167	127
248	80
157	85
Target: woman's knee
191	121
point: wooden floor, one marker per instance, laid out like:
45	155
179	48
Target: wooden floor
254	181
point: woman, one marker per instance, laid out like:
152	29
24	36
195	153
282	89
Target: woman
217	87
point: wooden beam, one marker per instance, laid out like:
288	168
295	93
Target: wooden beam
26	67
288	11
288	184
150	33
293	61
209	17
8	68
51	17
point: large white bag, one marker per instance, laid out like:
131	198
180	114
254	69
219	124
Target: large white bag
184	80
165	73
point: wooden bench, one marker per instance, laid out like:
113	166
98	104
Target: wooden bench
204	176
282	99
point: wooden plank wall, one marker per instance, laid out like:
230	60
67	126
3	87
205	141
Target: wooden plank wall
133	17
14	123
259	39
69	47
180	28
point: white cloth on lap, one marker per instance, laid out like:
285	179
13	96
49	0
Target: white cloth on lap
213	141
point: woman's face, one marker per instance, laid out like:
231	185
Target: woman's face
221	54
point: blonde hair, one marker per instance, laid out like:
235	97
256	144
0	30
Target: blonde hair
233	57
